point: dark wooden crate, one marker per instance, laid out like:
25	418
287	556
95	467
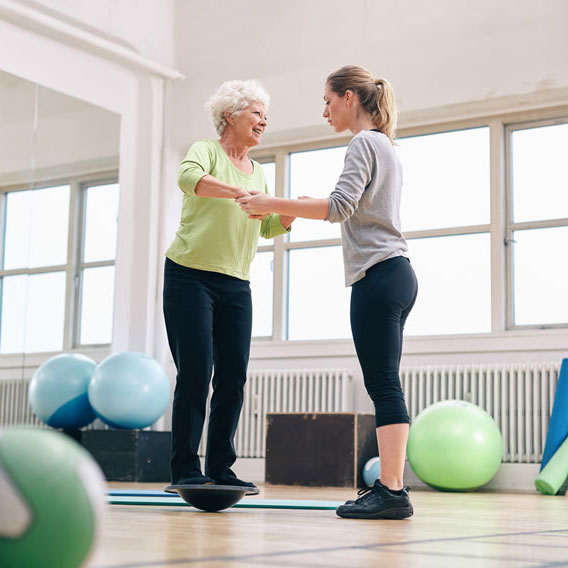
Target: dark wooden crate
130	455
319	449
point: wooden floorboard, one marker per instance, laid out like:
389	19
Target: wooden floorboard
448	529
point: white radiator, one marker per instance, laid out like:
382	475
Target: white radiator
14	404
292	390
304	390
518	396
15	409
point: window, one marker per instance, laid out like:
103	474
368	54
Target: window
445	216
58	251
262	285
454	285
96	268
262	273
537	231
314	173
446	180
318	301
485	213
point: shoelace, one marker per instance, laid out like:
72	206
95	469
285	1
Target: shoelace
362	493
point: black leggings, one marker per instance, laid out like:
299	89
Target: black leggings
209	322
380	304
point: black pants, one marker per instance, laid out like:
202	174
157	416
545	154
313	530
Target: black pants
380	304
209	324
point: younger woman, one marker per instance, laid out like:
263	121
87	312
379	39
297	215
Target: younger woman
366	201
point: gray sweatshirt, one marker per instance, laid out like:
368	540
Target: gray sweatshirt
366	201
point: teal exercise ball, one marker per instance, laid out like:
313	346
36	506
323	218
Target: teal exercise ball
371	471
454	445
58	391
53	497
129	390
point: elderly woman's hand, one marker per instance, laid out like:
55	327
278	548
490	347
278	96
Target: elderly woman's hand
257	204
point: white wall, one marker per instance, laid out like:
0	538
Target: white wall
71	134
437	53
144	25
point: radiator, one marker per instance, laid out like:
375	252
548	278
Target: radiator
309	390
15	409
518	396
292	390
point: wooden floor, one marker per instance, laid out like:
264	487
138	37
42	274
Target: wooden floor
447	529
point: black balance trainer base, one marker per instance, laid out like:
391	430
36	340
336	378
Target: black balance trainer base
211	498
130	455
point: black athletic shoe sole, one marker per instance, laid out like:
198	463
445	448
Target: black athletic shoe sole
395	514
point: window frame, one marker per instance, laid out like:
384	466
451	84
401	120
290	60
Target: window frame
512	226
78	185
503	335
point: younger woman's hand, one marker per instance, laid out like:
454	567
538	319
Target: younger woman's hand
255	204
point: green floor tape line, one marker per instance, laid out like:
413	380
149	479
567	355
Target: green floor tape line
244	504
140	493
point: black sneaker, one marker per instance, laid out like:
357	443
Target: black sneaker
378	502
236	482
198	479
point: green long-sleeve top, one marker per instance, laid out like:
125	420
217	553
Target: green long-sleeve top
215	234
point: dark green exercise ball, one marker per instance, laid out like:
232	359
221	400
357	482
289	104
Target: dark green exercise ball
52	494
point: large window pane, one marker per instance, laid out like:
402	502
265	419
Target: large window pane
318	306
262	284
36	227
101	211
446	179
315	174
540	276
540	173
269	169
33	309
454	285
97	301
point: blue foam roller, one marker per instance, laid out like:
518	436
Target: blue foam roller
558	425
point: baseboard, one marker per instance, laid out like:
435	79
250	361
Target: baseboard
510	477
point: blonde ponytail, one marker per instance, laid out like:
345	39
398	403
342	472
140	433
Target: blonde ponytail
385	115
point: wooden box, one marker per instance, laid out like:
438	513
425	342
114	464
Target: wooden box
130	455
319	449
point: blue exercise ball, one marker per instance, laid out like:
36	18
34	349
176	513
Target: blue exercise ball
129	390
372	471
58	391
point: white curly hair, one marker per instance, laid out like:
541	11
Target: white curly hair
233	97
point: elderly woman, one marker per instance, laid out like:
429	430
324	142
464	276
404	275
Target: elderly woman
207	298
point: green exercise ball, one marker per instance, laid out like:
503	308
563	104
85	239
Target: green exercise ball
454	445
52	494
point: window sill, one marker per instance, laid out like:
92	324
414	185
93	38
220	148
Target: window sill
505	342
34	360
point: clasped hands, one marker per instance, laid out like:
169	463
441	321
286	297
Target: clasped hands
256	204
